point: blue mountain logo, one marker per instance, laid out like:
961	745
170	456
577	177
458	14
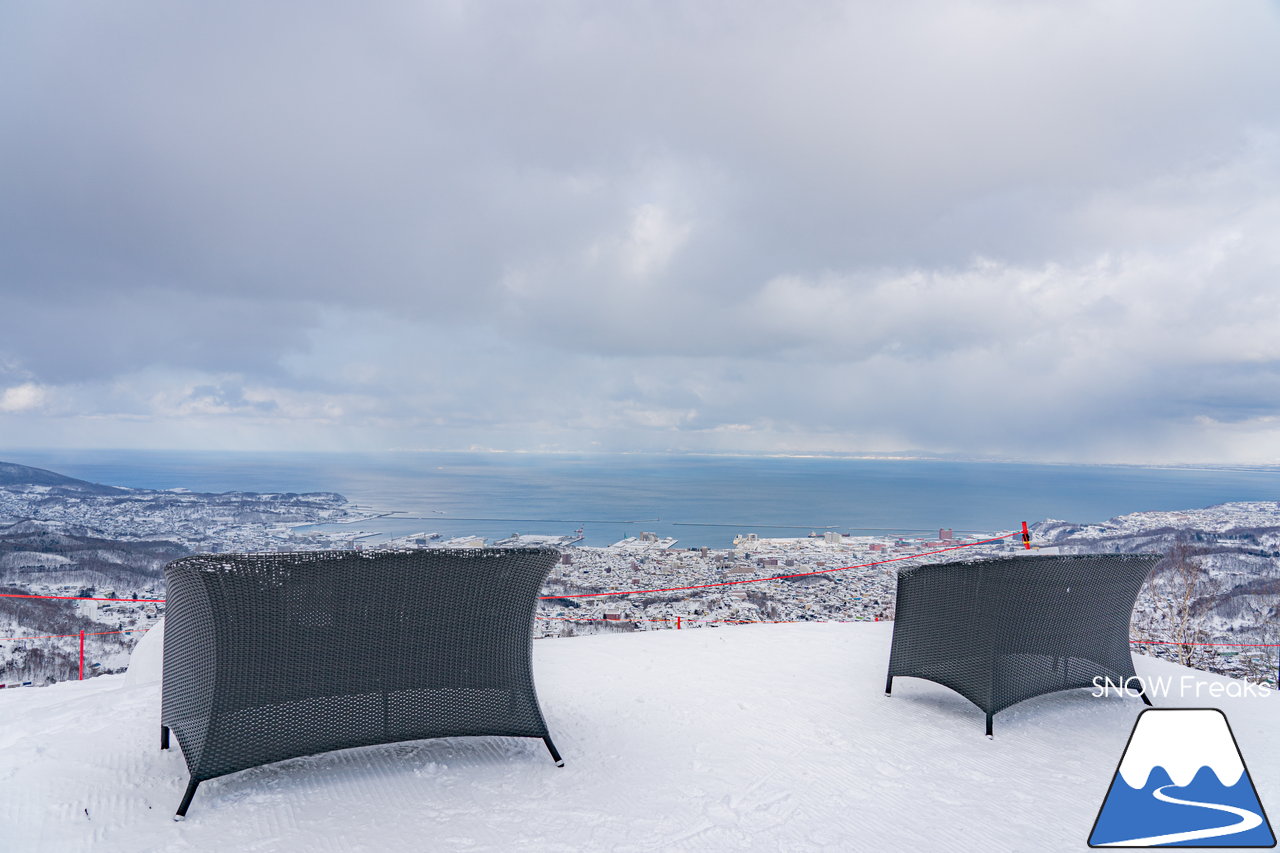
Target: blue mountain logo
1182	782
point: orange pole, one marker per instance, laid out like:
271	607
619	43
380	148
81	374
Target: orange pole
82	654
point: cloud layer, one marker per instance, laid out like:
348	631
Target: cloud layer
1030	230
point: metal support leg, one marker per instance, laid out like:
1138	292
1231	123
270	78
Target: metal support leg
551	748
186	800
989	718
164	737
888	686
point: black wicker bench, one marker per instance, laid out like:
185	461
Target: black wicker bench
1004	630
274	656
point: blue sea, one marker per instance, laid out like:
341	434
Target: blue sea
700	500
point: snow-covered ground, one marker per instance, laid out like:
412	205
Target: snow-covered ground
768	737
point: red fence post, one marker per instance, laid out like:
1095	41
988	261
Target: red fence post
1026	537
82	654
677	623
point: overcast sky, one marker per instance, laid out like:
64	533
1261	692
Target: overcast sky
1031	230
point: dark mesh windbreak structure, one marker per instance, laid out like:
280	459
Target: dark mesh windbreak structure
272	656
1004	630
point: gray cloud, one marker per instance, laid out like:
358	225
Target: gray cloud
1041	230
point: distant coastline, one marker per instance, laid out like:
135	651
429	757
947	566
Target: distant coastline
859	456
63	535
699	499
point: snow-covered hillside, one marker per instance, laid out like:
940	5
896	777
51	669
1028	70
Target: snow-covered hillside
768	737
1232	589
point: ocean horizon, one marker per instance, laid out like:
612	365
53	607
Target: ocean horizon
701	500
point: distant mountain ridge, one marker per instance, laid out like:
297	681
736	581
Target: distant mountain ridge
12	474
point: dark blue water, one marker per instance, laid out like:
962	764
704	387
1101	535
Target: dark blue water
612	496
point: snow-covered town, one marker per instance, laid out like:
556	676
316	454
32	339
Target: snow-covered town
828	578
231	521
71	539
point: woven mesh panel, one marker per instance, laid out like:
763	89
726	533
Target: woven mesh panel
272	656
186	699
1004	630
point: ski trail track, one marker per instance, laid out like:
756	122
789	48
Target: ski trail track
769	737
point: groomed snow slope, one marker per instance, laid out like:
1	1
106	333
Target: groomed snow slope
769	737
